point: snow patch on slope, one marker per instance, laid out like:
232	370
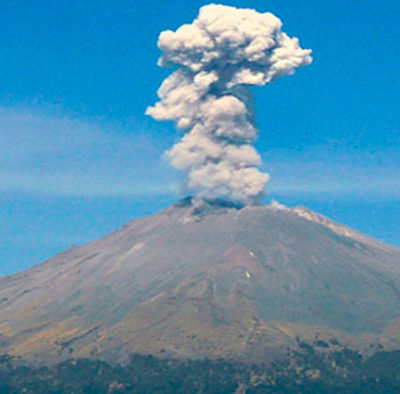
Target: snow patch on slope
277	205
335	227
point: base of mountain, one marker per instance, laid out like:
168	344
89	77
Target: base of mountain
308	370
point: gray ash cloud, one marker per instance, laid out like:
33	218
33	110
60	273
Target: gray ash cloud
217	59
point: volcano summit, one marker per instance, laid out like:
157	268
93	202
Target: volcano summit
206	279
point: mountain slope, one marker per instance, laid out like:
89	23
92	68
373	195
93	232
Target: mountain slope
206	279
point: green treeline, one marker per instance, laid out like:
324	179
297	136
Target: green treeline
309	370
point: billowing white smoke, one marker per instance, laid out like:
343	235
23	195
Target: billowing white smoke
218	57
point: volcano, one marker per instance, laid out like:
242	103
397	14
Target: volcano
206	279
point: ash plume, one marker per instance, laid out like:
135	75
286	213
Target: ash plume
217	59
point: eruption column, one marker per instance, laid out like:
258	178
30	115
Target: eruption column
217	59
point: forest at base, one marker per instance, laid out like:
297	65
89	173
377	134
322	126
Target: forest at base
311	369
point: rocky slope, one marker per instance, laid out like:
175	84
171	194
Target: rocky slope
206	279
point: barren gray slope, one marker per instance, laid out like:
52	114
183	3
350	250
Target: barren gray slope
236	280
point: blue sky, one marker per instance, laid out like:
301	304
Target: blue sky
78	157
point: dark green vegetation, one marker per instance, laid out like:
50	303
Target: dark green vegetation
309	370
